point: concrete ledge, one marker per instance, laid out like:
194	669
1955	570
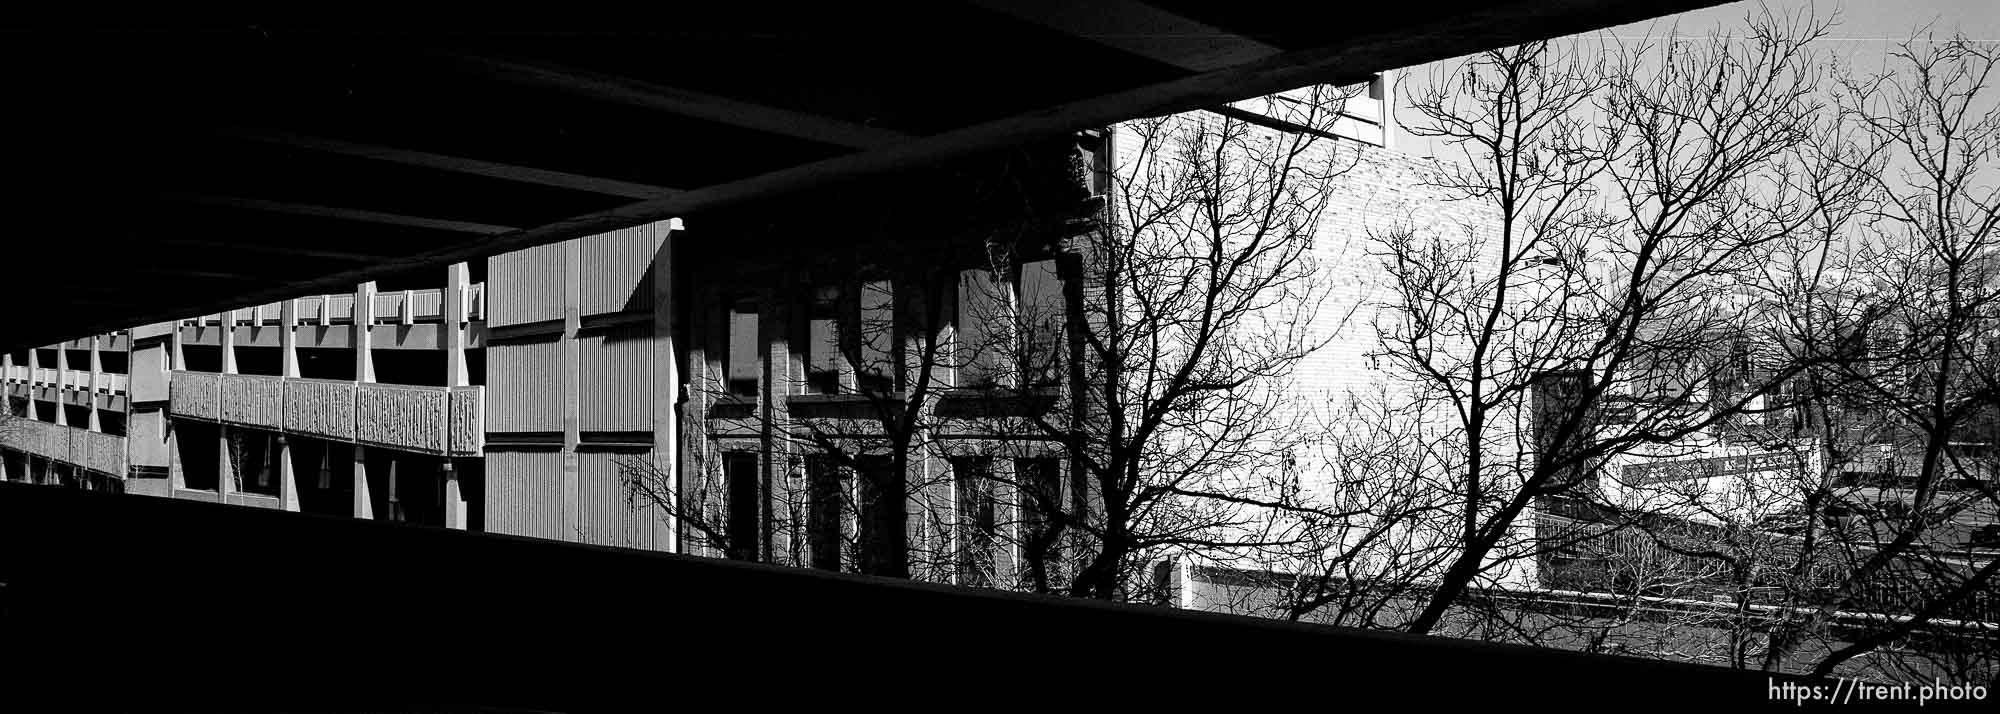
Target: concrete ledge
365	612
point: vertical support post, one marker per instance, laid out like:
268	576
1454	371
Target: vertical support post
96	381
34	366
325	466
228	341
177	357
62	384
572	383
225	463
409	311
364	320
666	378
364	505
454	498
325	310
395	496
288	337
456	285
288	482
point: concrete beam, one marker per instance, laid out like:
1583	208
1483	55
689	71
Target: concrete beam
455	164
682	102
345	214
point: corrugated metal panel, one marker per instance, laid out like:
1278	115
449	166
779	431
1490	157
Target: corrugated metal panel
525	285
524	493
524	386
614	271
606	515
617	379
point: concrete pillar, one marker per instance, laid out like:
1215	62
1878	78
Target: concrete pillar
572	384
364	320
228	341
409	312
225	464
325	466
454	498
288	482
395	494
7	384
177	358
62	385
457	287
363	507
176	471
34	363
288	336
666	374
96	380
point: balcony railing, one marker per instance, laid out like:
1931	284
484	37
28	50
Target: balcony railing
413	418
425	306
320	407
195	394
93	450
253	400
433	420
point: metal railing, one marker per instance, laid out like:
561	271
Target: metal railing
424	305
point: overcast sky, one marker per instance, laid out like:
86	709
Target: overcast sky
1868	30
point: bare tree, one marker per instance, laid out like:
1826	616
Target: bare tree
1638	191
1912	390
1180	323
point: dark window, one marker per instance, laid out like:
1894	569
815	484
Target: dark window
746	506
875	368
1041	488
827	483
977	519
743	365
823	342
881	542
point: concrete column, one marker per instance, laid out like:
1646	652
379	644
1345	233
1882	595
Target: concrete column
572	383
395	495
326	466
7	384
62	384
457	285
363	507
225	464
96	380
228	341
288	336
34	363
666	374
325	310
177	358
176	471
454	498
409	313
288	482
364	320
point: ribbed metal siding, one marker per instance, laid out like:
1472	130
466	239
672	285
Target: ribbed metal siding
613	273
524	386
525	285
617	376
524	493
606	516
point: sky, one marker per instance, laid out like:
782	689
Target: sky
1867	31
